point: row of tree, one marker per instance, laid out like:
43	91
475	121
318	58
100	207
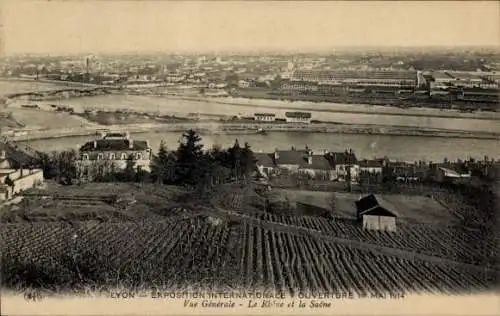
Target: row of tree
190	165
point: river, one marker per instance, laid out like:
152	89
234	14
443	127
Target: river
366	146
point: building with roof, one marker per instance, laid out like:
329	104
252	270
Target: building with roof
265	164
111	153
264	117
342	163
449	172
403	79
371	165
298	117
376	213
295	162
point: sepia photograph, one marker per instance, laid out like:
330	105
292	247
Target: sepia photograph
242	157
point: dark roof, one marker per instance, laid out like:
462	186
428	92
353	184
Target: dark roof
114	144
341	158
319	162
371	203
298	114
111	135
265	160
264	114
373	163
290	157
299	157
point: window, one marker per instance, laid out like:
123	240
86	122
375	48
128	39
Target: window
124	156
112	156
85	157
138	156
100	156
100	170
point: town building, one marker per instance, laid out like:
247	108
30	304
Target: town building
298	117
264	117
342	163
373	166
15	181
449	172
295	162
265	164
112	153
402	79
376	213
405	172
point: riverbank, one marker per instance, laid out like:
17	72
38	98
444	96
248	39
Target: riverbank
230	128
350	105
352	108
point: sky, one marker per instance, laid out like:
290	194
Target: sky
91	26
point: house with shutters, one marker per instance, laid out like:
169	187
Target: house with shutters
112	153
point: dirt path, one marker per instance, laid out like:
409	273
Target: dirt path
408	255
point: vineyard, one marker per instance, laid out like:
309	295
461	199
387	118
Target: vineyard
454	243
208	254
448	241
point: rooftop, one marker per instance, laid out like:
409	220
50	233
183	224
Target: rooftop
114	145
298	114
341	158
370	202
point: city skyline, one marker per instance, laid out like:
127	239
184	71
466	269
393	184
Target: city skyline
107	27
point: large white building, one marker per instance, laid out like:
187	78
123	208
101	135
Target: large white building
111	153
298	117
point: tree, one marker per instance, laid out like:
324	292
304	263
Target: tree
247	160
161	165
234	158
190	161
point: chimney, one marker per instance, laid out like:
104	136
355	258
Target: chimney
147	144
95	143
276	155
309	160
130	144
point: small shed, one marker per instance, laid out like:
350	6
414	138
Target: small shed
376	213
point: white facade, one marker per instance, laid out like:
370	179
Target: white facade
264	117
341	171
380	223
22	179
299	119
370	169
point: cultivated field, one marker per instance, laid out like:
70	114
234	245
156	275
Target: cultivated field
442	240
198	253
138	236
